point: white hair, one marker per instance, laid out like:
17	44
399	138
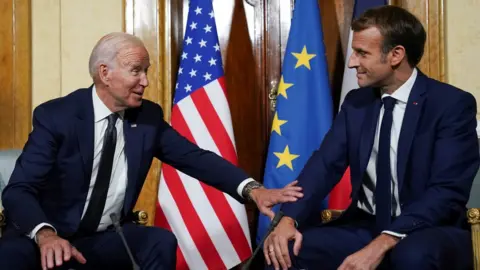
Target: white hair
107	48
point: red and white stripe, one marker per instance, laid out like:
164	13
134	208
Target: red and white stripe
211	227
340	195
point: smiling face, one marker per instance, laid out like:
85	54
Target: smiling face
373	66
126	79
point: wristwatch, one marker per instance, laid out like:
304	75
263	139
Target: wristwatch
248	189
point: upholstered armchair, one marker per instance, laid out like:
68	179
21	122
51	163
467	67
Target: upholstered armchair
473	215
139	217
7	164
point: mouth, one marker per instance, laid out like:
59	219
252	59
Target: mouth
359	74
138	93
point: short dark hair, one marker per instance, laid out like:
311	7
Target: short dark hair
398	27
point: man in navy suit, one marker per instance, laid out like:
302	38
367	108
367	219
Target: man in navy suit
412	148
87	158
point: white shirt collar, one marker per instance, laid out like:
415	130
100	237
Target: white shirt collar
403	92
100	110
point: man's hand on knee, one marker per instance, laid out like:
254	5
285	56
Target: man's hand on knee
55	250
275	248
369	257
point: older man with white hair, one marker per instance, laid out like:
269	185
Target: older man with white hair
87	158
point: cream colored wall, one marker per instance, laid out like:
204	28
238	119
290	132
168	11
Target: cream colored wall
462	45
63	35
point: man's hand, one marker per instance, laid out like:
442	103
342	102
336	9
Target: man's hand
275	248
369	257
267	198
55	250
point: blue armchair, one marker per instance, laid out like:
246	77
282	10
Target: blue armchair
8	159
7	164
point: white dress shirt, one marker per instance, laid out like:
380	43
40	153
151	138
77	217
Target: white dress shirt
401	96
118	180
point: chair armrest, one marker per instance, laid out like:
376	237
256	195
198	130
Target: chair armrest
473	215
330	214
140	217
2	220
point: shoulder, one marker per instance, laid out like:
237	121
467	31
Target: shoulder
360	97
64	107
149	112
447	94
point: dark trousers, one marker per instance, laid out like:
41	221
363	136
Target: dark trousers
325	247
153	248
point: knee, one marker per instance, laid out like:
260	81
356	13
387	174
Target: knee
409	258
165	240
18	254
170	241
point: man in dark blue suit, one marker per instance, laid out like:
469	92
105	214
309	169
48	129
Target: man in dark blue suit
87	158
412	148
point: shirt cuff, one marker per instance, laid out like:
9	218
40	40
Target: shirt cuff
33	233
399	235
242	185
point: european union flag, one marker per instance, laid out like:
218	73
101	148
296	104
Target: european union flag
304	109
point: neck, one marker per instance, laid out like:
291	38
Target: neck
400	76
107	99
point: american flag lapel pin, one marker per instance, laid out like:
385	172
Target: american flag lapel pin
134	125
415	103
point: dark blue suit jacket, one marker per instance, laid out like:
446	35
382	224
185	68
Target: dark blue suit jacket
438	155
51	177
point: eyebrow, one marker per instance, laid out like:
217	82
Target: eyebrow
360	50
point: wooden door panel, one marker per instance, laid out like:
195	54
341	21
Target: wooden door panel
431	13
15	73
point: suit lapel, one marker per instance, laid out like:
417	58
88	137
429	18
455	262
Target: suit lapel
368	132
409	125
85	131
134	137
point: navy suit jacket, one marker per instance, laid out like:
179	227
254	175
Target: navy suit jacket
51	178
437	159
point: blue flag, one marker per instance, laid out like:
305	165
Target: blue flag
304	104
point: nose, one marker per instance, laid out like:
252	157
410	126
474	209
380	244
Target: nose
353	61
144	80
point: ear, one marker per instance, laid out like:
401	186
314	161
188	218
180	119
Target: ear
398	55
104	74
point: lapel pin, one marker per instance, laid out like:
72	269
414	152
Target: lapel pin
133	125
415	103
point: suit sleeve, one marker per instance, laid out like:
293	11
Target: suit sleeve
322	171
20	196
206	166
455	164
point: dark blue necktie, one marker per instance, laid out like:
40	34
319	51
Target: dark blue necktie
93	215
383	197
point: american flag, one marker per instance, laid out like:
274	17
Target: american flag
211	227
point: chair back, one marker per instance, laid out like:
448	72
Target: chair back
474	201
7	164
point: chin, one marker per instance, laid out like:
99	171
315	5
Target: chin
362	83
135	103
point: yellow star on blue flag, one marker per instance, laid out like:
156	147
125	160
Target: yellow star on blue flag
304	115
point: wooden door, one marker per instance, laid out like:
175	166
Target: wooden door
15	73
